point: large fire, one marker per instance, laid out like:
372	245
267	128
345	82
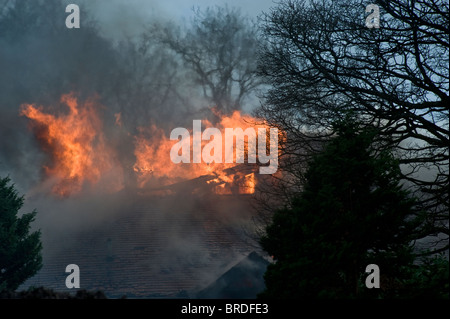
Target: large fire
152	153
76	145
79	152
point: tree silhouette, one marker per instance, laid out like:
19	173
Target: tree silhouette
322	61
351	213
20	250
219	48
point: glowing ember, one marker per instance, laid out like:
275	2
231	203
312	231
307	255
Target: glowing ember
235	184
76	145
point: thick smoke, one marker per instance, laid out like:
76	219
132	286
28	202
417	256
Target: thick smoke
137	83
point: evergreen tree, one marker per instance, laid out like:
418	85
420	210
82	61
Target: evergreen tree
20	250
351	213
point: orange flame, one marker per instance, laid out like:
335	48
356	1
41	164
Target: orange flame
80	154
235	184
152	152
76	145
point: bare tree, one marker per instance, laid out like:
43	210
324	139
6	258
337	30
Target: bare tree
219	47
147	84
323	63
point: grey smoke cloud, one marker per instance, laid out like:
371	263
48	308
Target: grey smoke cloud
119	19
40	60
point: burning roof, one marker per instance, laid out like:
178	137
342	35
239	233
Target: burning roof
79	152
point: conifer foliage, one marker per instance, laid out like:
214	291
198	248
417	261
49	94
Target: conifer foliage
351	213
20	249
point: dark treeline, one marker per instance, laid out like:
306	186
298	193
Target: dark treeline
325	65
